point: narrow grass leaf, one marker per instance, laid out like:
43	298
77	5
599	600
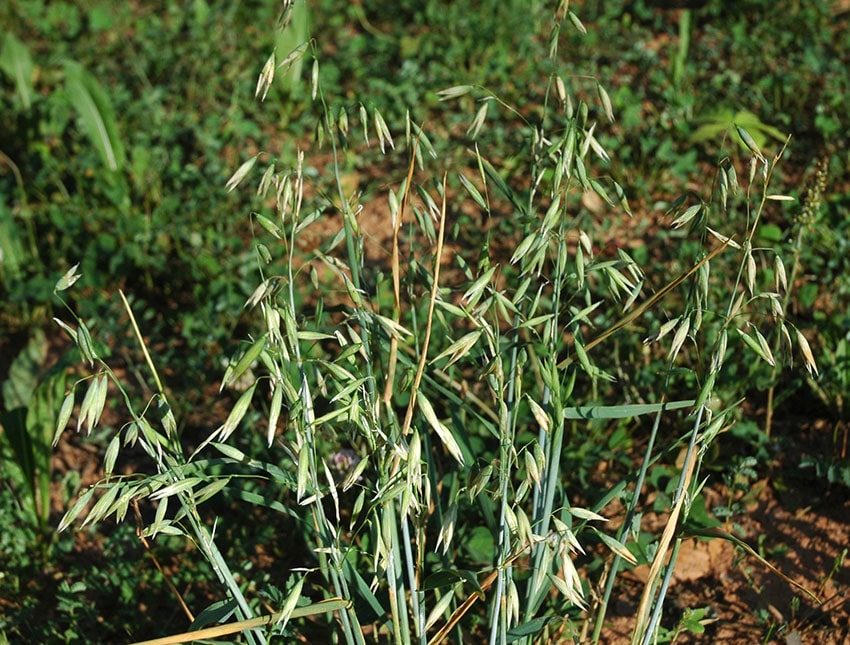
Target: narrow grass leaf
15	60
623	411
95	111
210	490
531	628
218	612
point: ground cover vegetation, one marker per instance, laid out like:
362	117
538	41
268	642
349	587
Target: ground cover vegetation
450	322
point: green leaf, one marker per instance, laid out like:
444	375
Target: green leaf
218	612
532	627
722	122
95	111
622	411
16	62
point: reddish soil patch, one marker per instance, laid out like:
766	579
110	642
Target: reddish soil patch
748	603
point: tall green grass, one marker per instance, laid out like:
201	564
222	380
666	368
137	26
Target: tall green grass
420	419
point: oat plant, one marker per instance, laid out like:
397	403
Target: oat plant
419	413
